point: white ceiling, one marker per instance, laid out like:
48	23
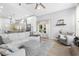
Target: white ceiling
28	9
14	10
52	7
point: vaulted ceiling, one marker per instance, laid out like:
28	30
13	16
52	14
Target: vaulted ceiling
13	9
51	7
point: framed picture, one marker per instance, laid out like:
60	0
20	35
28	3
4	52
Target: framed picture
60	22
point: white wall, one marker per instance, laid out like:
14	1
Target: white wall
4	23
69	17
32	20
77	20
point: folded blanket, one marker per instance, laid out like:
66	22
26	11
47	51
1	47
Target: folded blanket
5	50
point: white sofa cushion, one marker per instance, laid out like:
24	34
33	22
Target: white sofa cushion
70	39
63	37
18	36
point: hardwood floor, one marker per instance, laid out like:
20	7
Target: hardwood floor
58	49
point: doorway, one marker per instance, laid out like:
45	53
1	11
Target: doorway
43	29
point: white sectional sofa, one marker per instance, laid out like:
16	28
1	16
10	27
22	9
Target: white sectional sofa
15	40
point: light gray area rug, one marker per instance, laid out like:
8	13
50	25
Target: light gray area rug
32	48
44	47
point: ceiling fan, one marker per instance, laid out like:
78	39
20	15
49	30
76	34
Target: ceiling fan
36	5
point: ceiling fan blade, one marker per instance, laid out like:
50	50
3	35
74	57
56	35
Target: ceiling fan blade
36	6
42	5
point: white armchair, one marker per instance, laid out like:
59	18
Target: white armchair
66	38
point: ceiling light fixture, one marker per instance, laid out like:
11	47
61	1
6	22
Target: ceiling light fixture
39	5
